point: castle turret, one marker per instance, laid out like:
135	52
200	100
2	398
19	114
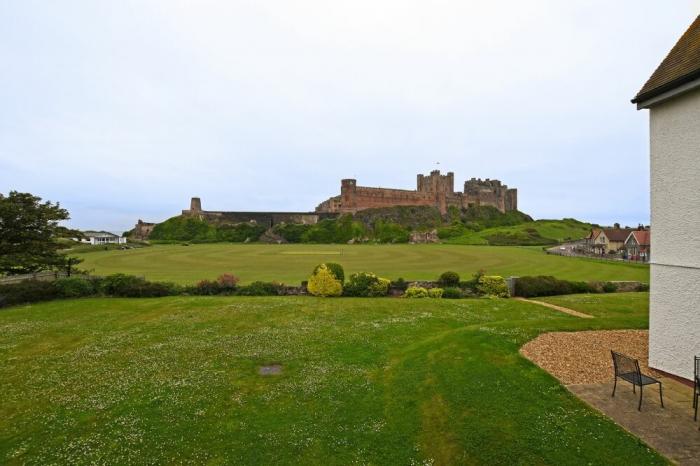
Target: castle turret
195	205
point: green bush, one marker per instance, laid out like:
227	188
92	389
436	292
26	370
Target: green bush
259	288
129	286
28	291
493	285
643	287
530	287
609	287
380	287
449	279
390	232
399	284
335	269
366	284
323	282
416	292
291	232
74	287
435	292
340	230
452	293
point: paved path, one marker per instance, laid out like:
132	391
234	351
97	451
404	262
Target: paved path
565	310
670	430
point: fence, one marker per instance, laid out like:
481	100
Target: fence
47	276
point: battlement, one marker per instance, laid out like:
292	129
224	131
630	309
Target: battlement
434	189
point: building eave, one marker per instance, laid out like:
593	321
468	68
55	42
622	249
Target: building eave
663	93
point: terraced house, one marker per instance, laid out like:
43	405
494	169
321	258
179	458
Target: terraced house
672	96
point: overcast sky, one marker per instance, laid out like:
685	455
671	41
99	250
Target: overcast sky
124	110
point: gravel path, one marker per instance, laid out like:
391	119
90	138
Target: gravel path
584	357
565	310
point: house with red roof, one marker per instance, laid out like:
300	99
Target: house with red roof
638	245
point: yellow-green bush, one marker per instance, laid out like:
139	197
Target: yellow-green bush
416	292
379	287
435	292
324	283
493	285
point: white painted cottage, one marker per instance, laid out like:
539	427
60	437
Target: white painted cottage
102	237
672	96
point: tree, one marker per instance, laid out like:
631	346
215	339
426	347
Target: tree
28	229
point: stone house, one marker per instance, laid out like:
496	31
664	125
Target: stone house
672	96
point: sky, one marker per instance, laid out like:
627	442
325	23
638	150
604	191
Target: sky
124	110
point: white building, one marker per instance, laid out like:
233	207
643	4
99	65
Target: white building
102	237
672	95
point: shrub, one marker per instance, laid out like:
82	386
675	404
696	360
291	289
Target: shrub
207	288
28	291
643	287
399	284
449	279
493	285
129	286
609	287
435	292
227	281
366	284
260	289
335	269
452	293
380	287
416	292
324	283
529	287
74	287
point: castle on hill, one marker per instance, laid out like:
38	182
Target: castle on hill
434	190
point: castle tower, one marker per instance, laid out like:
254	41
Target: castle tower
348	190
195	205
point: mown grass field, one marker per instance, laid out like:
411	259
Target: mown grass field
293	263
371	381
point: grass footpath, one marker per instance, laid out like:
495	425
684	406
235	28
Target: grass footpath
373	381
293	263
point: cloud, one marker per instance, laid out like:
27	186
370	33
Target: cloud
126	110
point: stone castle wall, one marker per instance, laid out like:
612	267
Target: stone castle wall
432	190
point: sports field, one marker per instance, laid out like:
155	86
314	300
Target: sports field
293	263
217	380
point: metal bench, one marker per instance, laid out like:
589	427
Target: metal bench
627	369
696	386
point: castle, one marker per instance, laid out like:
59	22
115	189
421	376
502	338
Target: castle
432	190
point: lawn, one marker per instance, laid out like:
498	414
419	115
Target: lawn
619	305
293	263
371	381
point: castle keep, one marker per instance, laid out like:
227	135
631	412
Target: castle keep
432	190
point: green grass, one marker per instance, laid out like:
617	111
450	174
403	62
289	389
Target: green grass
551	231
634	306
293	263
371	381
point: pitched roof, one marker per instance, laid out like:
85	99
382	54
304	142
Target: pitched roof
681	65
617	234
642	237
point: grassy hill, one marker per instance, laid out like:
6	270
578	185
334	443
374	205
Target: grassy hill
539	232
476	225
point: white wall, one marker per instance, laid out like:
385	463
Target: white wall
675	220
